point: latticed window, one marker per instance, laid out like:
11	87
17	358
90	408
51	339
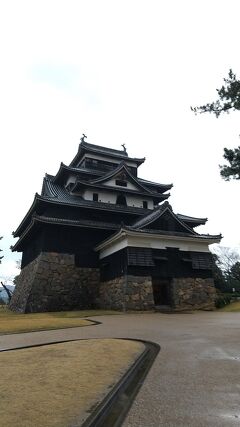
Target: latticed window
121	182
201	261
140	256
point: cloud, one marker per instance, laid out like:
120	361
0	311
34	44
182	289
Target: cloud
8	270
124	72
60	76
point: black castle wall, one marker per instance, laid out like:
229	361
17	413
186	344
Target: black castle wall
166	263
77	213
67	240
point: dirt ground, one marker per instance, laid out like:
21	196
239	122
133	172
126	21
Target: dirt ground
11	322
195	379
57	385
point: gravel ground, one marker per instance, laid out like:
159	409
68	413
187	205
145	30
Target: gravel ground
195	380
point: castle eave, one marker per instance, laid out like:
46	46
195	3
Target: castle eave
85	147
156	240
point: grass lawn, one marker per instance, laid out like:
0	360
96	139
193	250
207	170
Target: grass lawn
15	323
234	306
58	385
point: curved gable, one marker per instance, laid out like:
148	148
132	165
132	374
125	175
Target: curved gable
121	173
164	219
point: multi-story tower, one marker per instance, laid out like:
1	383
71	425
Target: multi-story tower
101	236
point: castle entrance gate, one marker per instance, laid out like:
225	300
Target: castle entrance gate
161	291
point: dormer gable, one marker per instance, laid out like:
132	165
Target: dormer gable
163	219
121	177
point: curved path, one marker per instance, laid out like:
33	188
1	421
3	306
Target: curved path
195	379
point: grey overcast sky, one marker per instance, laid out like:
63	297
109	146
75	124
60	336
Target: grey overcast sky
121	72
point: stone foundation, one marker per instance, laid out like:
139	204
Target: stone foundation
52	282
127	293
193	293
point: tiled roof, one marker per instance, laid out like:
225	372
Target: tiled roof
89	173
172	233
80	223
122	167
155	184
142	192
65	221
55	193
98	149
103	149
191	219
102	174
128	230
157	213
149	217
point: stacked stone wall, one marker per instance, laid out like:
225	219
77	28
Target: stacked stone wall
127	293
52	282
193	293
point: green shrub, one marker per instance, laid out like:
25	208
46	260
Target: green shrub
232	294
222	300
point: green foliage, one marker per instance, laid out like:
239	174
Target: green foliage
233	276
229	99
218	276
235	271
226	269
222	300
233	295
232	171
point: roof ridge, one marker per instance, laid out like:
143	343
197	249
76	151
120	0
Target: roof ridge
156	184
151	216
49	187
192	217
101	147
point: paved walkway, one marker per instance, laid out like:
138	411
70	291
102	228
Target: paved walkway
195	380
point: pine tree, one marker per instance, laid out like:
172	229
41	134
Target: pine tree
228	100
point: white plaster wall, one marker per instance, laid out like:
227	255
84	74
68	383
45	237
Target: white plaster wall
105	197
112	183
137	201
110	197
154	243
162	243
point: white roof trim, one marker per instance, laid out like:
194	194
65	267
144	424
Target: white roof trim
125	238
124	233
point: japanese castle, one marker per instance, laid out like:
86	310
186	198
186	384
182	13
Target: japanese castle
99	236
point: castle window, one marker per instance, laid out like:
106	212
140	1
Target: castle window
121	182
95	197
91	163
145	204
121	200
